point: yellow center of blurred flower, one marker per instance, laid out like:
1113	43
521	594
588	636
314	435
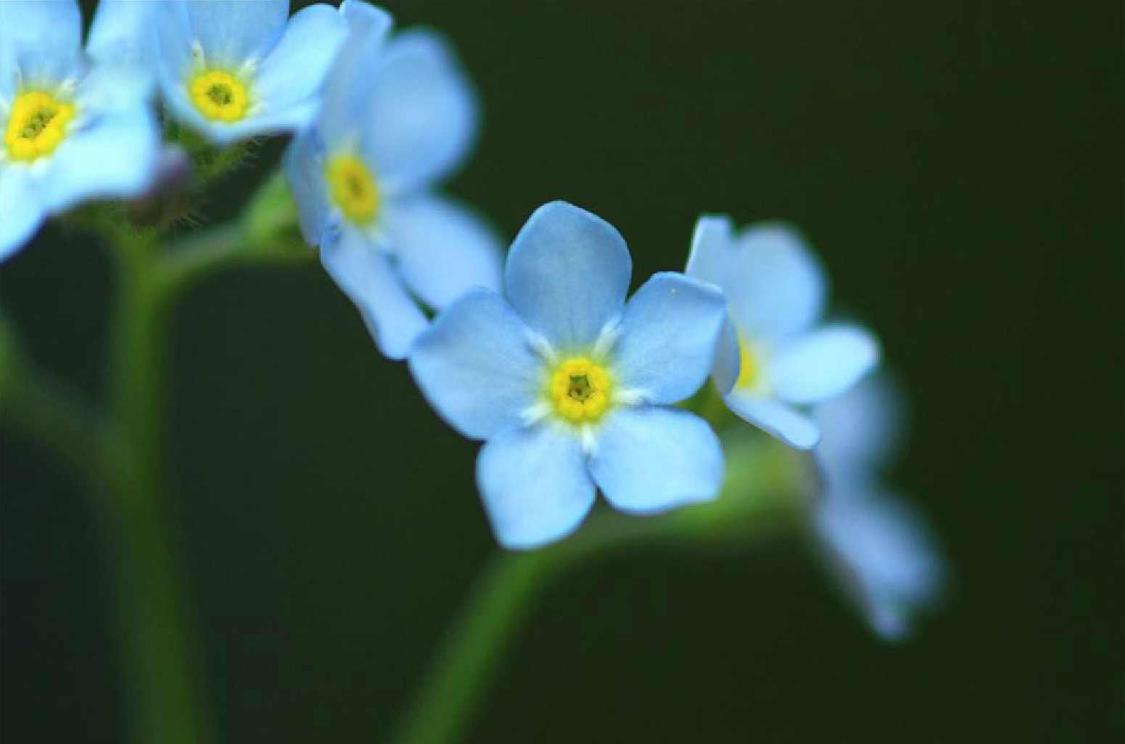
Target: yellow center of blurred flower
580	390
749	371
37	124
219	95
353	188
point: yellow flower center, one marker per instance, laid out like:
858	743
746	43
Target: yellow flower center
750	367
36	125
219	95
353	188
580	390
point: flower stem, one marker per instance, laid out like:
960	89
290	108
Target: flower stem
164	702
764	497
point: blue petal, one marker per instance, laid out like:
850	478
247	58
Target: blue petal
421	115
885	551
774	285
347	89
861	429
649	459
115	157
666	343
775	418
475	367
822	364
567	274
534	485
366	276
123	89
233	31
122	32
20	210
42	39
304	171
728	358
444	249
296	69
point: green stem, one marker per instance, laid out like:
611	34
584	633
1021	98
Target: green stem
762	499
464	668
164	703
49	411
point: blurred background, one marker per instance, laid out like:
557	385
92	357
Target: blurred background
958	167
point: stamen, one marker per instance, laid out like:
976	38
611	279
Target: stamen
37	124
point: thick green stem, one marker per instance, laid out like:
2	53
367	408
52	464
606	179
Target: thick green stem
164	700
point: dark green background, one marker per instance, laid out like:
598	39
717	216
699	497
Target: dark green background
958	165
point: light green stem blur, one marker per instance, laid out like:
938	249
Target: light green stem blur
763	496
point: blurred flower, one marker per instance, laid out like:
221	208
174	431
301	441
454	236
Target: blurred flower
233	69
770	356
76	126
878	545
570	386
398	116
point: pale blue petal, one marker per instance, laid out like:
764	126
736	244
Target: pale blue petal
115	157
268	122
773	283
366	276
421	115
444	249
304	171
534	485
475	367
728	358
886	553
20	210
123	33
113	88
775	418
233	31
567	274
650	459
666	340
347	89
861	429
43	38
822	364
295	70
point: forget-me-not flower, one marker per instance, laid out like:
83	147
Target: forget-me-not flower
75	122
772	355
878	545
234	69
398	116
570	386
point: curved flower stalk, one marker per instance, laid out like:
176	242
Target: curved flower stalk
880	547
234	69
772	355
75	123
569	386
398	116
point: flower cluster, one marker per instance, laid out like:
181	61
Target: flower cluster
572	387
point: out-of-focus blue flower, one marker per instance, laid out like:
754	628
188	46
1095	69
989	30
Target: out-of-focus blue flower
233	69
878	545
570	386
75	125
398	116
772	356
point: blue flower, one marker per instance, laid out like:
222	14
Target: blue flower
75	124
398	116
878	545
233	69
772	356
570	386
